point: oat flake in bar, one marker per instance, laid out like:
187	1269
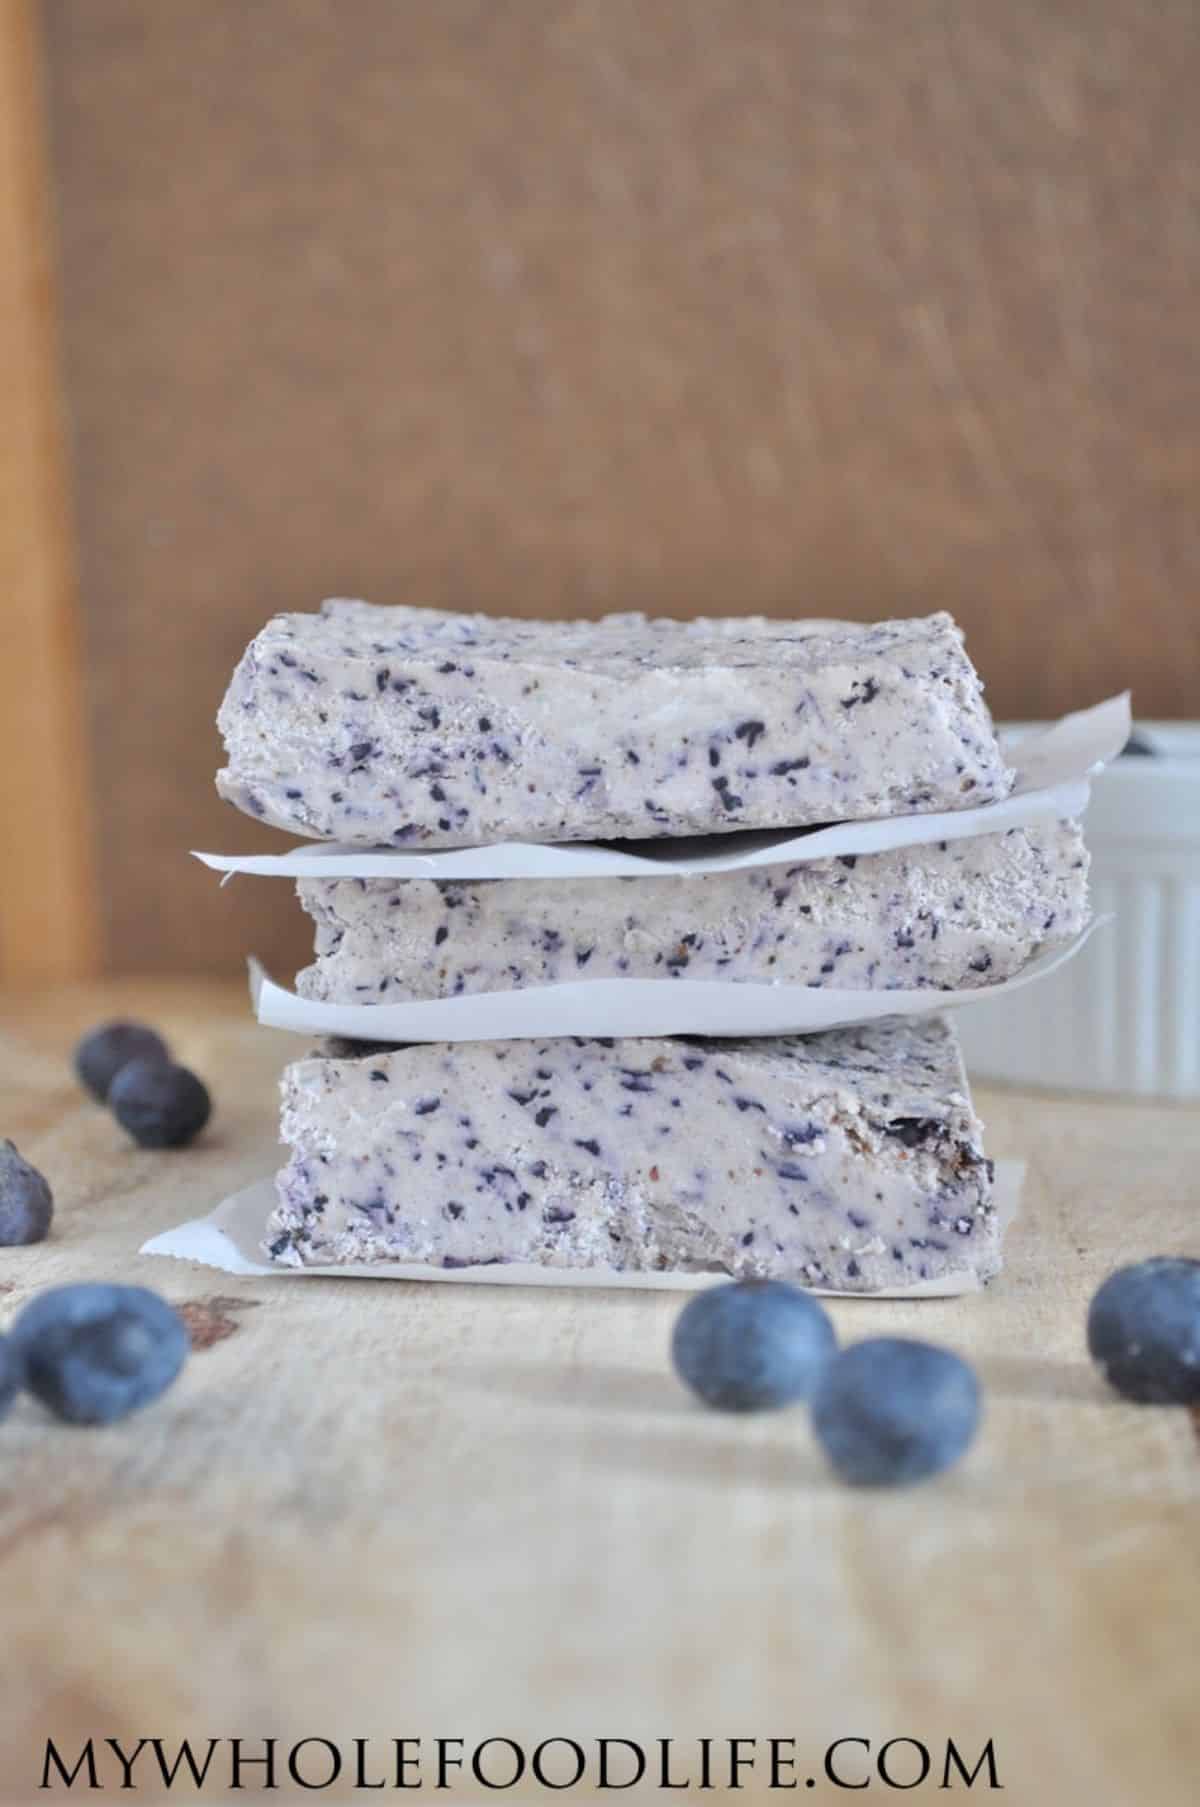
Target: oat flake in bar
409	727
850	1159
951	916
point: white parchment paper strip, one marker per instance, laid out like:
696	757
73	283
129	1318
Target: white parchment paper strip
621	1007
1053	766
231	1237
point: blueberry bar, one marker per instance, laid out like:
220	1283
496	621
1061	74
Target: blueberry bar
410	727
850	1159
954	916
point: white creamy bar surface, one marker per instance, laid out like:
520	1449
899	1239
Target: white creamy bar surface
409	727
950	916
850	1160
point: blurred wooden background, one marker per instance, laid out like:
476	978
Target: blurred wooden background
543	307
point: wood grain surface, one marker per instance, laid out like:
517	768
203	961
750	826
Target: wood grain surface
48	923
385	1510
558	306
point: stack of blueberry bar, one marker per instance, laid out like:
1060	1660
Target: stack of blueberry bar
850	1159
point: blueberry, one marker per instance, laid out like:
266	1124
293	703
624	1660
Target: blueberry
891	1410
26	1201
752	1344
1137	746
11	1373
160	1104
1143	1329
102	1053
94	1353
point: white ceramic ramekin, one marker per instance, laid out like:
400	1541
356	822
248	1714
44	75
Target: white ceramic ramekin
1124	1014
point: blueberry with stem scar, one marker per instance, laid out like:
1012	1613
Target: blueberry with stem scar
94	1353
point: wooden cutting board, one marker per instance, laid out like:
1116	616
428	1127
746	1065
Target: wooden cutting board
381	1510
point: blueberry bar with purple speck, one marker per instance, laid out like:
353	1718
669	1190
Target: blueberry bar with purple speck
955	915
407	727
850	1159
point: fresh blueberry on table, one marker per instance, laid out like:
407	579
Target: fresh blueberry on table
1138	747
102	1053
752	1345
161	1105
1143	1329
94	1353
891	1410
26	1201
11	1373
